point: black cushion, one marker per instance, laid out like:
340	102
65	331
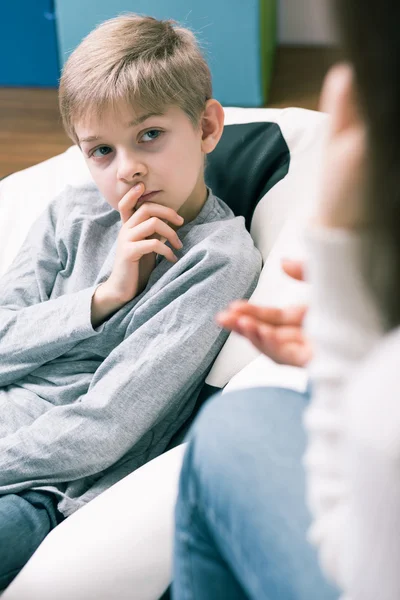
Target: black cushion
249	160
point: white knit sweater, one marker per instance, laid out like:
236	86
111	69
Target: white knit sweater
353	456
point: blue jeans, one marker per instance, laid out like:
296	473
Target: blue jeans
25	520
241	519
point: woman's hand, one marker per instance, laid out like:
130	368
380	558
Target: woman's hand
276	332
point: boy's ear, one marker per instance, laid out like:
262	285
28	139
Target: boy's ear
212	125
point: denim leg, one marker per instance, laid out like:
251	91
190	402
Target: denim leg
25	520
241	519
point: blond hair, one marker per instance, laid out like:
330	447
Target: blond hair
148	63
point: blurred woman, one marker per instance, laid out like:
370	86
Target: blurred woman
241	513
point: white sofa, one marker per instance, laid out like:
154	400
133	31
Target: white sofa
120	545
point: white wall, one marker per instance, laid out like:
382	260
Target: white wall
305	22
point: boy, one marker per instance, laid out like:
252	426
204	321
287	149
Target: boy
107	315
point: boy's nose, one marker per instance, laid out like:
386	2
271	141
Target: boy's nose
130	168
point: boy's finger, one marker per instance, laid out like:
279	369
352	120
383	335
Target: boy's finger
139	249
156	228
127	205
151	209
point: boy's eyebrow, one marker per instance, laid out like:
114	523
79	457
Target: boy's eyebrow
91	138
143	118
134	123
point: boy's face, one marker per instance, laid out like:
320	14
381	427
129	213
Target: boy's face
164	152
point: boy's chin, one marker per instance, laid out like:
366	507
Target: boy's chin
112	203
110	199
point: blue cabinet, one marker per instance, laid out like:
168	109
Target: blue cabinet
28	43
238	37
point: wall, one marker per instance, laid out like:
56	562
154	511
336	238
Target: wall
28	44
305	22
227	29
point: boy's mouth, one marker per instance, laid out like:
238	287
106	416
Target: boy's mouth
148	197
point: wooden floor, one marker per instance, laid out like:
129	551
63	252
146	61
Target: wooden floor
31	129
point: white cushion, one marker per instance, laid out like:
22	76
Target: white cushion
117	546
25	195
279	219
120	545
274	289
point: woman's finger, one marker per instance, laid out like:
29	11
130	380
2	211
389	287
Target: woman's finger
288	347
283	335
295	355
294	268
290	315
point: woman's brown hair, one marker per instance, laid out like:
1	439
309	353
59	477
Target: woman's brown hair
371	43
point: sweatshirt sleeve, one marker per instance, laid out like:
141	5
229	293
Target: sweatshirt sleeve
143	385
371	421
344	325
34	328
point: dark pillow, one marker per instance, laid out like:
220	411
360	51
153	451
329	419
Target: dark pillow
249	160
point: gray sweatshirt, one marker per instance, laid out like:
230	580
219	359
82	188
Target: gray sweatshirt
81	407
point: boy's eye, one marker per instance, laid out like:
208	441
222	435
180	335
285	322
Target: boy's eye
151	135
101	151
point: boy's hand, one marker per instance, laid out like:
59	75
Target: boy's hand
139	240
276	332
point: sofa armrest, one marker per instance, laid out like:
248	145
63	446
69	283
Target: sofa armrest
117	546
